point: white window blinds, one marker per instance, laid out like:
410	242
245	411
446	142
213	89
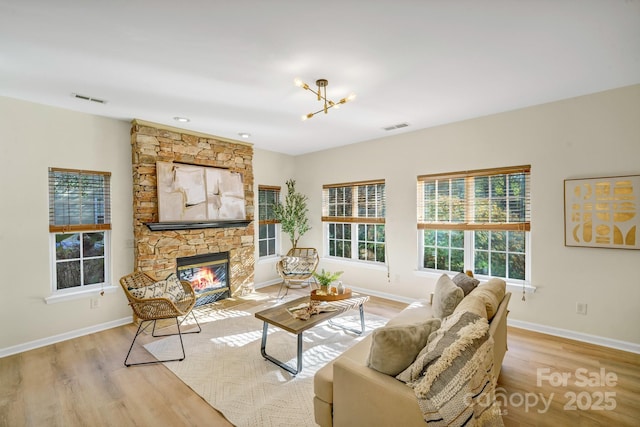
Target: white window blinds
354	202
487	199
268	197
79	200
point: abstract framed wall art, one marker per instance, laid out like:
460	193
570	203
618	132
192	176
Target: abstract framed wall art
602	212
198	193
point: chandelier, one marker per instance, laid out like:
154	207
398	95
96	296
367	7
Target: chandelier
321	93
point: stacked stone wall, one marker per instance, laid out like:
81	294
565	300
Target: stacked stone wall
156	251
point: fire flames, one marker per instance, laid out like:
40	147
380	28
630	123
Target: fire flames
205	278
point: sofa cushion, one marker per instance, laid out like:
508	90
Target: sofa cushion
492	293
446	297
418	311
323	383
466	283
474	304
323	379
395	347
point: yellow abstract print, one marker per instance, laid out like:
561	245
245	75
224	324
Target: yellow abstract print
602	212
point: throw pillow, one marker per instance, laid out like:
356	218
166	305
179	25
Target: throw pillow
497	286
154	290
447	337
393	348
452	379
174	290
466	283
293	265
474	304
492	294
446	297
169	288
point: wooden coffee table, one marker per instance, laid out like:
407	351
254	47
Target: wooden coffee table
280	317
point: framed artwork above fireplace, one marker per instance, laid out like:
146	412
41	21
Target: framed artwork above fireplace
198	193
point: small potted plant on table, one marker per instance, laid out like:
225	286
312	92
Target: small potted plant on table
325	279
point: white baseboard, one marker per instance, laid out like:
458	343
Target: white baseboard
578	336
384	295
31	345
63	337
267	283
559	332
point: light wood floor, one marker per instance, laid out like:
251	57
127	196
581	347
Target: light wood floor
83	382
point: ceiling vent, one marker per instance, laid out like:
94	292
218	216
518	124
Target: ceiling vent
88	98
398	126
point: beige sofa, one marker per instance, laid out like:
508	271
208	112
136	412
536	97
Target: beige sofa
350	393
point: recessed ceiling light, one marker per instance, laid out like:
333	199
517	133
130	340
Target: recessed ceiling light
181	119
244	135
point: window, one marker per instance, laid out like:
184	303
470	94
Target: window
268	241
80	223
354	217
476	220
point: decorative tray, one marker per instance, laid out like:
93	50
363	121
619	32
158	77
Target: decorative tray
331	297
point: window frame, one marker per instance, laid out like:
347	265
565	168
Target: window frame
269	221
75	223
81	288
469	226
361	210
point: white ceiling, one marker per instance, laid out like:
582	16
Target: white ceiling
229	65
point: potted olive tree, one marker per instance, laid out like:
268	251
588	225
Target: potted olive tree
293	213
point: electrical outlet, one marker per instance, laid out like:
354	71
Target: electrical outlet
581	307
95	302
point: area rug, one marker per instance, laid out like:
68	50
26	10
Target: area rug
223	365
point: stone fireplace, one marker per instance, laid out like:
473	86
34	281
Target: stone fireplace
157	249
208	275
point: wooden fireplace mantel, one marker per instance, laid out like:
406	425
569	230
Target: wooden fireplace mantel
190	225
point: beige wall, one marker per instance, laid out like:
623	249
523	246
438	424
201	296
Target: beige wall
590	136
596	135
35	137
270	168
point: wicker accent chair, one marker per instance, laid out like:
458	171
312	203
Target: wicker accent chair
151	309
297	268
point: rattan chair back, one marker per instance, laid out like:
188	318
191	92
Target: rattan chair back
155	308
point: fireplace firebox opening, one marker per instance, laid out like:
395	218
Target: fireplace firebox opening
208	275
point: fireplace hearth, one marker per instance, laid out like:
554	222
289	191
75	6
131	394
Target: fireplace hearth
208	274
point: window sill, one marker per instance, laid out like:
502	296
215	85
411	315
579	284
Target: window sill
511	286
270	259
79	294
515	287
364	264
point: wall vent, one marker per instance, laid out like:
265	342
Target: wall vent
88	98
398	126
